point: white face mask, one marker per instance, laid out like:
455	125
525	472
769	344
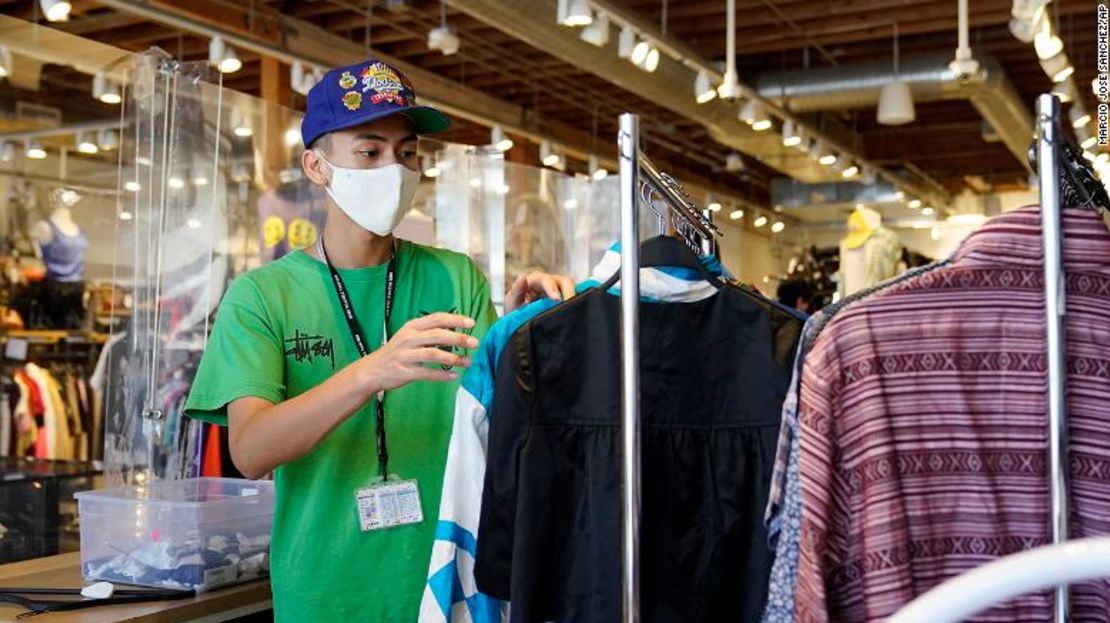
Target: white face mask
376	199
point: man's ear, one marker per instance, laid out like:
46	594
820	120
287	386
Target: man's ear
315	168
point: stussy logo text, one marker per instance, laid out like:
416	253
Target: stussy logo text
305	347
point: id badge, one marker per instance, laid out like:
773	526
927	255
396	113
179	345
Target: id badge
389	504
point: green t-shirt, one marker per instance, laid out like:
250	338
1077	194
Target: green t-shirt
280	332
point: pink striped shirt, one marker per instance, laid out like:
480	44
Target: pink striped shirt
924	427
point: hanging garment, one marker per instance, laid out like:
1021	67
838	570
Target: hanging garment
451	594
58	442
784	506
922	440
6	427
64	255
713	380
23	417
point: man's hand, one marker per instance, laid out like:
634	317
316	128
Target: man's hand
536	285
426	340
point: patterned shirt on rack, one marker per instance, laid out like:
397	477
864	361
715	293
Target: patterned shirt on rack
784	508
922	441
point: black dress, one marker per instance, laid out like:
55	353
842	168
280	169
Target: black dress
714	374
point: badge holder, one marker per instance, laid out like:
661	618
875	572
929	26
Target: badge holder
389	503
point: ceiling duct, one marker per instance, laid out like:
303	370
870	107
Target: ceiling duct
930	79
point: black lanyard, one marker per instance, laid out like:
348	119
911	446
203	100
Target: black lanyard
360	340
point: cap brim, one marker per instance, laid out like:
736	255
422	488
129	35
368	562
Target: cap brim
426	120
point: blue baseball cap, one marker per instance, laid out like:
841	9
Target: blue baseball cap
361	93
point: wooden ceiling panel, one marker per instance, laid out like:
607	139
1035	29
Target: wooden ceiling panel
946	139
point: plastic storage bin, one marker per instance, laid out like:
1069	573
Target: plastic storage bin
197	533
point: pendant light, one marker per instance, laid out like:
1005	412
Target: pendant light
107	139
896	100
442	38
791	137
597	172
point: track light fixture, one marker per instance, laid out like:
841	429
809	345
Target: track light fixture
499	141
55	10
597	172
34	150
105	90
223	56
548	155
85	144
574	13
597	33
704	91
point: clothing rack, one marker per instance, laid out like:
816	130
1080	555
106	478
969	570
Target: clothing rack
1049	140
641	180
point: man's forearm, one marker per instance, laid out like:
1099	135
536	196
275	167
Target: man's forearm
265	435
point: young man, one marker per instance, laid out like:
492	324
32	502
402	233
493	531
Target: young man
337	365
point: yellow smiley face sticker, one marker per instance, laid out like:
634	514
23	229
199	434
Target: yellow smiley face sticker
273	230
302	233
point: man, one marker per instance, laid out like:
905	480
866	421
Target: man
337	366
796	294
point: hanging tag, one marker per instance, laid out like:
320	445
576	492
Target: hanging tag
389	504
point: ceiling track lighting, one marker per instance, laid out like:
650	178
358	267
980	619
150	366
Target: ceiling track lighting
736	214
223	57
914	204
7	151
760	221
597	33
704	91
626	42
851	171
791	137
105	90
712	204
86	145
1045	42
498	140
597	172
55	10
777	227
432	170
34	150
548	156
107	139
5	62
1089	142
574	13
1079	117
734	163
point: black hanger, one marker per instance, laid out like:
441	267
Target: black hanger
1079	185
668	251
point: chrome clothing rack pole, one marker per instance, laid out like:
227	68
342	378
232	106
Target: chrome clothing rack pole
628	148
1048	170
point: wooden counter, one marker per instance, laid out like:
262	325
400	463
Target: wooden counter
64	571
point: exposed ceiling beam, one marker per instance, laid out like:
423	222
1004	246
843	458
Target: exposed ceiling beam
670	86
293	40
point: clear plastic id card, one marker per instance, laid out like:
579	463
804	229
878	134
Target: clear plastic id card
389	504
